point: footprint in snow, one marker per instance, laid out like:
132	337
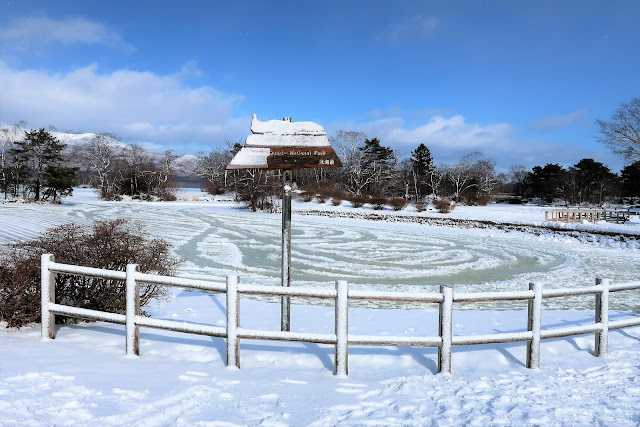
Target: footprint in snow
371	393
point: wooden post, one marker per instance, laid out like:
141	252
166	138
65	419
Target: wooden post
445	329
602	316
233	322
285	302
534	321
47	295
342	328
132	330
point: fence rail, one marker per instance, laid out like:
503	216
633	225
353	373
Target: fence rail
341	295
593	215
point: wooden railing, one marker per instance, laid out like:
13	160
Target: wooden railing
341	295
577	215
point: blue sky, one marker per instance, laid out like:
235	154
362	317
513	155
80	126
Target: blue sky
520	81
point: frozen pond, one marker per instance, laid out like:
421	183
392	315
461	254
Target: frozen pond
217	239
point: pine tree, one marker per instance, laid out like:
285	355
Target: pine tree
378	165
38	156
423	167
631	180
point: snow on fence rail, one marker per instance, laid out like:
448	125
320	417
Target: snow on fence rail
341	339
578	215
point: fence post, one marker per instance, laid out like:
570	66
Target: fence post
47	295
132	330
602	316
342	328
233	322
445	329
534	318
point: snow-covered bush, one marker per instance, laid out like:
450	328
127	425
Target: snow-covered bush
421	206
398	203
358	201
105	244
443	206
378	202
307	196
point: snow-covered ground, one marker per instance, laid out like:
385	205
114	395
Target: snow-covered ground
83	377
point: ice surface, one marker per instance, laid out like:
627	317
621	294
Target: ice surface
84	378
219	239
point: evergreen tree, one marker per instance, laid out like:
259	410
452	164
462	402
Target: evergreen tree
423	167
59	181
548	182
592	181
35	156
631	180
378	165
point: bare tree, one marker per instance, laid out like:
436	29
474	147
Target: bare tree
438	174
211	167
622	132
135	157
8	137
101	151
460	175
347	144
517	176
484	171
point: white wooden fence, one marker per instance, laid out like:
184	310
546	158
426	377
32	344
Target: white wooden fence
591	215
341	339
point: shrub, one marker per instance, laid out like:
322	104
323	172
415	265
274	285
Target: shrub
421	206
398	203
378	202
211	188
483	200
443	206
105	244
307	196
358	201
167	194
336	201
321	198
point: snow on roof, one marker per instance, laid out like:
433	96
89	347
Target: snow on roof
273	140
285	127
254	156
286	133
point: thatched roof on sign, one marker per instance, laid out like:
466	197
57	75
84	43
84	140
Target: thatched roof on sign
285	144
286	133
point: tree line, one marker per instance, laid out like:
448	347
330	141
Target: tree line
372	170
35	165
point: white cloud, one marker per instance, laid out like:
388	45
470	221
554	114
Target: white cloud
28	32
450	138
139	106
559	121
416	26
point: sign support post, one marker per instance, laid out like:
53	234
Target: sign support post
285	304
285	145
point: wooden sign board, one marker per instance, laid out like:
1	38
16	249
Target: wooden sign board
276	144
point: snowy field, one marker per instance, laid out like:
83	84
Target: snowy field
83	378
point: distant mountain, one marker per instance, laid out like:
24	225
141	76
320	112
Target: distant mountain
184	163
